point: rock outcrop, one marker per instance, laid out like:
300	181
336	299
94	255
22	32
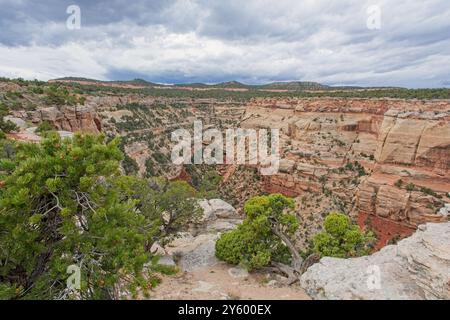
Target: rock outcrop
73	119
417	267
402	150
218	216
192	252
20	123
196	249
445	210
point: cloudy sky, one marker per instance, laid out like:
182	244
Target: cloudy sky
254	41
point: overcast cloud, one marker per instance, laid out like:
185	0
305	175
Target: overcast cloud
253	41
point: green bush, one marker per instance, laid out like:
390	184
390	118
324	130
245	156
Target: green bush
430	192
162	268
5	126
65	202
342	238
44	126
60	95
255	244
399	183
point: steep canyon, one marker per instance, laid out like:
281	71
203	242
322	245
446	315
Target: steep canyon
384	161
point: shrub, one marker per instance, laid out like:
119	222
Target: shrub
263	236
44	126
341	238
5	126
399	183
430	192
59	95
64	202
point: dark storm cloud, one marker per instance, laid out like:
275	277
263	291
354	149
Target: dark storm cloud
23	22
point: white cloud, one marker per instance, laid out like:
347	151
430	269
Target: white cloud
39	62
254	41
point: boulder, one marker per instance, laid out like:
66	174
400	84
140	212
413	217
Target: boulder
287	166
417	267
191	253
166	261
20	123
157	249
218	216
50	114
217	208
195	250
223	225
238	272
445	211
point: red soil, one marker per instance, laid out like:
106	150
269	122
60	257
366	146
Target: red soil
385	229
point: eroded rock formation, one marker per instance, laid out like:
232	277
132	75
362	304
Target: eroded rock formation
384	160
417	268
74	119
196	249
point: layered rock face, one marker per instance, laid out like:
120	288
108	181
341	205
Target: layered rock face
417	268
384	160
73	119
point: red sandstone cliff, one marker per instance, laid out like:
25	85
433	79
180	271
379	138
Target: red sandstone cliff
403	146
74	119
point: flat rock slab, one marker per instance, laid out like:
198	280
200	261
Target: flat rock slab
191	253
417	267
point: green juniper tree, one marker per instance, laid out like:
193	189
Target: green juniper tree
342	238
265	238
63	203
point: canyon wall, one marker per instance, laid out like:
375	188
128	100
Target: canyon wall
386	162
64	118
389	159
74	119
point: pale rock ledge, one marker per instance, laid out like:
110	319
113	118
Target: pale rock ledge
417	267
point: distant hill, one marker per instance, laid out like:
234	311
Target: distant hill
135	82
233	85
281	85
192	85
221	85
138	82
76	79
294	85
